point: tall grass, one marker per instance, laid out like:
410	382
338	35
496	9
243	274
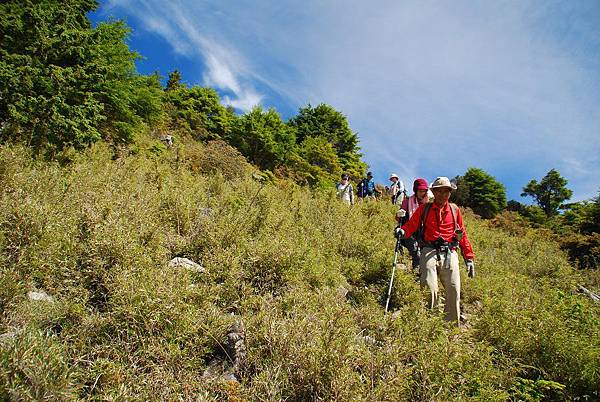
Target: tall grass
306	274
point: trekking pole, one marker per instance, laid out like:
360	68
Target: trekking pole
397	249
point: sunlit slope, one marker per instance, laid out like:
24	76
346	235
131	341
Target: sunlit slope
305	275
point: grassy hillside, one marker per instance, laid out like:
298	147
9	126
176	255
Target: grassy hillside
304	274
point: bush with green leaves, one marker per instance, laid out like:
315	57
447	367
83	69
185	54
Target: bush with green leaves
263	138
197	111
576	229
481	192
324	122
321	155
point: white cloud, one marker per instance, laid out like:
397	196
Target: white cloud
244	101
224	69
219	74
163	28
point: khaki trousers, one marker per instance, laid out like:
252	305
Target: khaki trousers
448	271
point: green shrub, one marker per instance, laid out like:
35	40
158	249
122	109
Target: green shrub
529	312
583	249
216	156
36	366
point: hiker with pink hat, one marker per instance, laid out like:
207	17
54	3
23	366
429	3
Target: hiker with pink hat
409	206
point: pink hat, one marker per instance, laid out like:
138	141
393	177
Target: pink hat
420	184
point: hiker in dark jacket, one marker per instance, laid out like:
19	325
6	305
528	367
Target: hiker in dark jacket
368	186
442	232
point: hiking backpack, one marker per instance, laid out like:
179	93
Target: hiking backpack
362	188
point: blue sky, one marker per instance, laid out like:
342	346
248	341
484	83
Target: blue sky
431	87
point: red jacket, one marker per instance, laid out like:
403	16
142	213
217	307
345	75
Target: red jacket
439	222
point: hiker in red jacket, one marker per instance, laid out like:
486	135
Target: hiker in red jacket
441	232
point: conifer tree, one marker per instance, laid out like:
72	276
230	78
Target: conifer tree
326	122
481	192
549	193
64	83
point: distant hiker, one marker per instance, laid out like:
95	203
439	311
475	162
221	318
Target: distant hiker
396	189
360	189
345	191
167	140
367	186
409	205
441	232
379	191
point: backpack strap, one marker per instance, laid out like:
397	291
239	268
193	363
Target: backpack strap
453	208
421	234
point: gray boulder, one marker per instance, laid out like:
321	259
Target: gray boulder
8	337
187	264
342	291
40	296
